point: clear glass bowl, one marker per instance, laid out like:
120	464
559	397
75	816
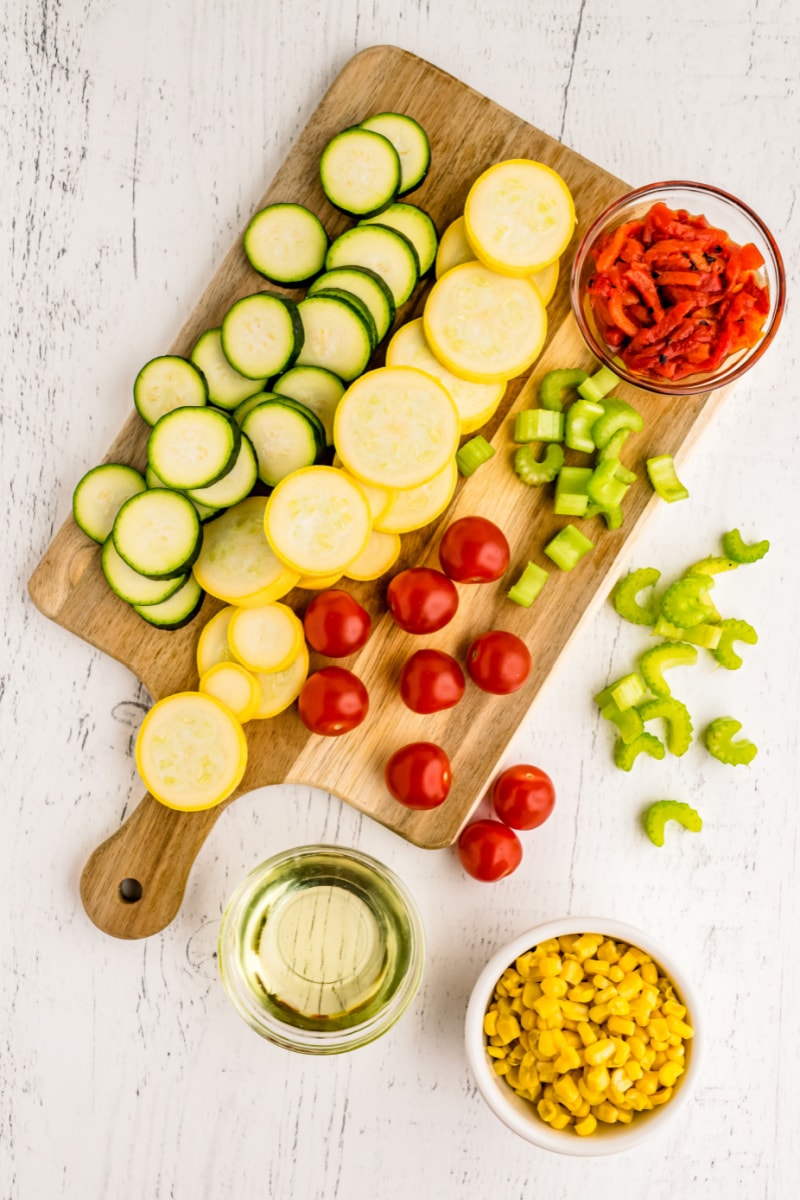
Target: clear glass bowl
321	949
724	212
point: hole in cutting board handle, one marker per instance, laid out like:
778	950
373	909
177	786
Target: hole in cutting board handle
130	890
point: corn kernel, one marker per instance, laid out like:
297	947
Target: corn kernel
586	945
606	994
600	982
659	1030
676	1053
620	1080
562	1118
548	1007
624	1117
524	1040
629	986
648	1058
617	1098
546	1072
548	946
636	1099
507	1028
606	1112
659	1060
553	986
496	1051
621	1025
527	1019
675	1025
501	1067
640	1010
572	973
568	1060
512	1077
550	965
587	1126
589	1094
618	1007
608	952
524	964
669	1074
661	1097
517	1006
566	941
490	1023
573	1011
637	1046
628	961
593	966
600	1052
633	1070
572	1038
650	995
546	1110
648	1084
671	1008
586	1033
615	973
649	972
583	1109
597	1078
582	993
567	1091
515	1054
622	1053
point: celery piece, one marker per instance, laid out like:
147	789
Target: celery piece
624	596
571	498
598	385
662	475
684	603
529	585
568	547
740	551
626	753
733	630
628	691
678	721
604	489
474	452
655	817
659	659
629	723
711	565
616	415
704	635
612	517
718	740
556	383
581	418
613	449
538	425
535	471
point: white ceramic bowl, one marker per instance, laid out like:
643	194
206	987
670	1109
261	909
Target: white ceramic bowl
518	1114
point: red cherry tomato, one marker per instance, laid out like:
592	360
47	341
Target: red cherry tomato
422	600
332	701
418	775
335	624
430	681
489	850
523	796
474	550
498	662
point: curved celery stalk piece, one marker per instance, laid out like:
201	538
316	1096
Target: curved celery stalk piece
718	740
656	816
555	384
733	630
655	662
625	597
472	454
740	551
535	471
598	385
628	723
604	488
684	602
581	419
626	753
664	478
616	415
712	565
676	715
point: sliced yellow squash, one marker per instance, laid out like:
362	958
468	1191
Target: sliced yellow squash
213	648
546	280
415	507
381	552
318	583
454	249
377	497
317	520
519	216
265	639
280	688
236	563
235	686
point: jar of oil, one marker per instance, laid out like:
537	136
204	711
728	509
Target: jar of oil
321	949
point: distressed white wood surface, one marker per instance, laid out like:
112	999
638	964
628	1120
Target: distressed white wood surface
135	141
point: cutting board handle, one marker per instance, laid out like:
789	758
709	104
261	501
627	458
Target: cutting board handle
133	884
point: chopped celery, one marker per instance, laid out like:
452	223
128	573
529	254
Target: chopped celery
706	636
612	517
628	691
535	471
718	740
733	630
604	488
629	723
613	449
474	452
662	475
626	753
598	385
656	816
529	585
616	415
684	602
659	659
711	565
678	721
571	498
556	383
624	596
581	417
740	551
538	425
568	547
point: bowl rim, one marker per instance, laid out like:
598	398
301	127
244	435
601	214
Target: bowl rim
685	388
533	1129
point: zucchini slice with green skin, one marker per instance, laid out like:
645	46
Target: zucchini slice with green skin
234	486
415	224
385	251
356	303
129	585
286	436
203	511
317	389
157	533
166	383
262	335
368	286
182	607
336	337
286	243
360	171
100	495
411	143
250	403
226	387
193	447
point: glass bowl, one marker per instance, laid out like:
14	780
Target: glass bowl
520	1115
723	211
321	949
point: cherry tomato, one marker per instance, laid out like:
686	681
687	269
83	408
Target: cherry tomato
474	550
489	850
498	662
422	600
430	681
523	796
332	701
418	775
335	624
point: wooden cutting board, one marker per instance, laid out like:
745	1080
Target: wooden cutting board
157	846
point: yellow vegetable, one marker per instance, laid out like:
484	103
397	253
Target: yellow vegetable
519	216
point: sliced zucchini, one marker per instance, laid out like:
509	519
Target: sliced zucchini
262	334
415	224
158	534
519	216
411	508
226	387
193	447
249	404
181	608
191	751
336	337
358	304
280	688
233	486
166	383
411	143
285	435
286	243
316	388
317	521
360	171
129	584
203	511
267	638
101	494
365	284
382	250
236	560
380	553
234	686
212	645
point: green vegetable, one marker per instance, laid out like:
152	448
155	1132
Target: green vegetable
535	471
718	739
554	385
474	452
613	449
538	425
629	723
678	721
581	417
624	596
529	585
664	478
662	658
612	517
616	415
656	816
568	547
685	603
599	385
604	488
704	635
733	630
740	551
625	692
711	565
571	495
626	753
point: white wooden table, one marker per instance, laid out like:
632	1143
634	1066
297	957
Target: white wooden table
136	139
